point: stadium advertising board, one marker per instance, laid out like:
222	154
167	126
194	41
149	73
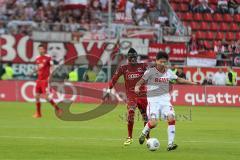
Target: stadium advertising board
181	94
176	51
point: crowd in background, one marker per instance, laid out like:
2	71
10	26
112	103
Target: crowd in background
21	16
223	6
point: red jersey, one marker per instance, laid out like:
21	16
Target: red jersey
43	67
132	74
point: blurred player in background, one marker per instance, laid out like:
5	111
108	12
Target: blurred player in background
159	106
44	63
132	73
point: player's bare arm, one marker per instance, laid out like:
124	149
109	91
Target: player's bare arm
184	81
138	85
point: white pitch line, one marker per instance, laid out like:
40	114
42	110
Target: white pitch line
112	139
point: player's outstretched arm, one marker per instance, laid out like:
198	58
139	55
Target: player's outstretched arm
138	85
184	81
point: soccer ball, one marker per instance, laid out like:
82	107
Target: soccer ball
153	144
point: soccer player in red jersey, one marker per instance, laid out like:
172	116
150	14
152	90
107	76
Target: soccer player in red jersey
132	73
43	69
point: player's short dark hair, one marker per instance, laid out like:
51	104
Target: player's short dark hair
161	55
40	45
132	53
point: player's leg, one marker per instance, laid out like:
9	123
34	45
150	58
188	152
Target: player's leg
170	115
38	113
142	106
153	116
38	91
131	113
46	92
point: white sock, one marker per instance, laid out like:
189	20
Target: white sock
171	133
146	129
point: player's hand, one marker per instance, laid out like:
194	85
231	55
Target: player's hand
137	90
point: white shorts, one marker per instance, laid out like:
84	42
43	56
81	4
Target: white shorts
156	110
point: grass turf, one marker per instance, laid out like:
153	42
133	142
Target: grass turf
210	133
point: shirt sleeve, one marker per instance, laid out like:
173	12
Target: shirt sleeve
146	75
172	76
115	77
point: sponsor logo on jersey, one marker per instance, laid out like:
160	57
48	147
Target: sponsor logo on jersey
161	79
133	76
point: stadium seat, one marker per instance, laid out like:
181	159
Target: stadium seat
219	36
208	17
200	35
214	26
227	18
194	25
175	6
198	17
229	36
207	44
187	16
210	35
223	27
204	26
183	7
217	17
234	27
237	18
237	35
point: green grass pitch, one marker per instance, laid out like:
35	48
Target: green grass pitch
213	133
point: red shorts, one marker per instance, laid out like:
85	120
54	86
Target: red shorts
140	102
42	86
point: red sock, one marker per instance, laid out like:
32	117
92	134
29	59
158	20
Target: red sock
172	123
53	104
130	122
38	107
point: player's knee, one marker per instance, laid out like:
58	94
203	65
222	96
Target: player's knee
153	122
37	97
171	119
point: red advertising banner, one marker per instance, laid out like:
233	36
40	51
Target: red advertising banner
181	94
176	51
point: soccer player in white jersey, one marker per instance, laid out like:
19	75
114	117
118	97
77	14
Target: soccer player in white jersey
158	80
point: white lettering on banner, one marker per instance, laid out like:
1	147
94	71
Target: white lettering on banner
60	94
190	98
23	69
174	95
219	98
8	47
22	50
23	91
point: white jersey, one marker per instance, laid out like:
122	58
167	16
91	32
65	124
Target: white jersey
158	84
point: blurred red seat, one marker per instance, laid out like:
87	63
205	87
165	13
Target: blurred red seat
219	36
217	17
234	27
237	35
204	26
194	25
183	7
175	6
237	18
213	26
227	18
208	17
207	44
200	35
210	35
223	27
229	36
187	16
198	17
